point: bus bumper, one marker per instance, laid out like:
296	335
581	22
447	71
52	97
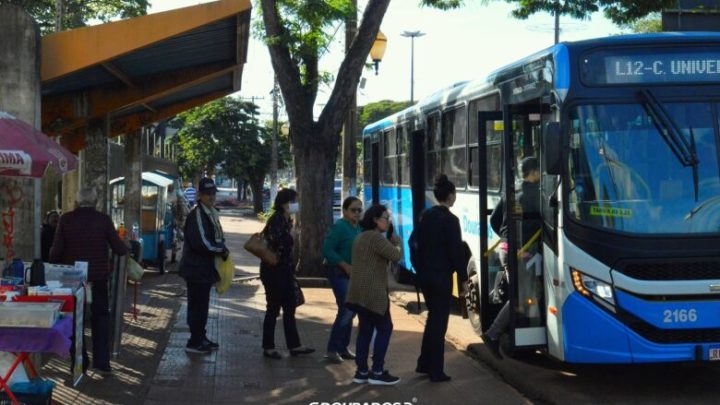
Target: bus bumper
592	335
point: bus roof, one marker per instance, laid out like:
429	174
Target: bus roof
445	96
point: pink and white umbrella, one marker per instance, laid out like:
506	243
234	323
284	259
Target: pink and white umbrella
27	152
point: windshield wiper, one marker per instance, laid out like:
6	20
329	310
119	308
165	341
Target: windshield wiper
683	150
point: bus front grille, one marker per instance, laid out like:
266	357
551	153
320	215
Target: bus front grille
709	270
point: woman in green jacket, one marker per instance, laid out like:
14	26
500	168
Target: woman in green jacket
337	251
372	253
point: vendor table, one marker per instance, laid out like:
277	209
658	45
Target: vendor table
21	341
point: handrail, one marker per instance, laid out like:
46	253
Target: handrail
522	250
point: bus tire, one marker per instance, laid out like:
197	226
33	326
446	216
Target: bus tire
472	299
161	257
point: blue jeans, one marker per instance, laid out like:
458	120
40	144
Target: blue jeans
369	322
342	327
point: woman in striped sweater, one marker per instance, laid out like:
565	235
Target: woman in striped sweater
372	253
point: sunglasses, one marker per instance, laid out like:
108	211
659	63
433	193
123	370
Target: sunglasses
356	210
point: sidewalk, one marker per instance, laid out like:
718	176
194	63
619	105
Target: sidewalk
153	367
237	372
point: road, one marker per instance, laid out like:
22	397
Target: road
545	380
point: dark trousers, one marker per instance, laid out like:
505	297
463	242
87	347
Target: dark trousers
342	327
198	305
99	326
368	323
279	293
437	291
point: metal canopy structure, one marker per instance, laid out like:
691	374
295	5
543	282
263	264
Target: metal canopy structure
138	71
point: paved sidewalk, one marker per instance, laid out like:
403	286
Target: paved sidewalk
153	367
237	372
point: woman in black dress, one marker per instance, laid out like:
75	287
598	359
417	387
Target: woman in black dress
279	280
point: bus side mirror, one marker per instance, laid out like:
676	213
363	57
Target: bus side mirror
551	148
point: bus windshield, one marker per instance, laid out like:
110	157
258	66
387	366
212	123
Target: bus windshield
625	176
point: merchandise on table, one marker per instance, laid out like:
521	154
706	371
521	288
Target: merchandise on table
29	314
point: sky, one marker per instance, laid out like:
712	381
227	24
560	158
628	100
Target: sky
461	44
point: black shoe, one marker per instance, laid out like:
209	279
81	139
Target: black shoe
348	355
384	378
104	371
272	354
422	370
493	345
212	345
440	377
360	377
301	350
201	348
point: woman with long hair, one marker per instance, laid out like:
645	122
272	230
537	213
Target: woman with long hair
279	279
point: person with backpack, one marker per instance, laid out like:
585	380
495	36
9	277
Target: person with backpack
440	252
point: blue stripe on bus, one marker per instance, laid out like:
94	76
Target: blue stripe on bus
672	314
399	201
592	335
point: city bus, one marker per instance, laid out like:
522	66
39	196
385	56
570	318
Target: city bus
625	267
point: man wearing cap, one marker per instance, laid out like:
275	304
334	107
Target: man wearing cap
204	241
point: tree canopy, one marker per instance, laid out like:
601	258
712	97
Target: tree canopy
77	13
224	133
621	12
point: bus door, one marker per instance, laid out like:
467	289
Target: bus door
522	127
375	179
487	160
417	172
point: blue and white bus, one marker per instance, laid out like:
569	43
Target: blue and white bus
626	268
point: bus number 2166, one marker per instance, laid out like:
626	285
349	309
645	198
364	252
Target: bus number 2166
679	315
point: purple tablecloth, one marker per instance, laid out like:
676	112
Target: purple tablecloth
35	340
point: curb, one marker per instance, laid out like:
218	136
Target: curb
313	282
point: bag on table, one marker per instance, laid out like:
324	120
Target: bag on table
226	270
258	246
134	270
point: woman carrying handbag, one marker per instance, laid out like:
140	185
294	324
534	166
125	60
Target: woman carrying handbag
279	279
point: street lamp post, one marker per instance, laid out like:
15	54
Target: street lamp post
412	35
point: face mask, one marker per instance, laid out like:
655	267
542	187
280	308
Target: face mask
294	208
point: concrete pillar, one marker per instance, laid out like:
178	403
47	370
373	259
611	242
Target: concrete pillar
19	96
133	180
95	161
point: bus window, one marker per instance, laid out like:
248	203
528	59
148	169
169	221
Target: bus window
367	161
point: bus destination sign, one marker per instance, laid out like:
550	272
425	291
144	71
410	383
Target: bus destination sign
651	67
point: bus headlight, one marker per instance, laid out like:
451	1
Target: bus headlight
592	288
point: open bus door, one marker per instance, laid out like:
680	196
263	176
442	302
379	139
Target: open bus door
527	324
417	173
481	311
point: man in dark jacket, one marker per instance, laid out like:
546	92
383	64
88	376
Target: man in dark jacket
204	242
529	200
84	235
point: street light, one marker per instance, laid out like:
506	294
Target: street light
412	35
378	49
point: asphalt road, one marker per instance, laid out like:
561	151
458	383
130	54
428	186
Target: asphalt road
546	381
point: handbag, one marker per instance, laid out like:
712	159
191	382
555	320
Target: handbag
257	245
226	270
299	296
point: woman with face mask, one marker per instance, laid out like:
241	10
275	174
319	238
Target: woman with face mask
279	280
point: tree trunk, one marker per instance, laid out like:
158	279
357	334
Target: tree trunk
315	168
257	191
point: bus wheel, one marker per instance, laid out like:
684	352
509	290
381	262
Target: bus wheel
472	303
